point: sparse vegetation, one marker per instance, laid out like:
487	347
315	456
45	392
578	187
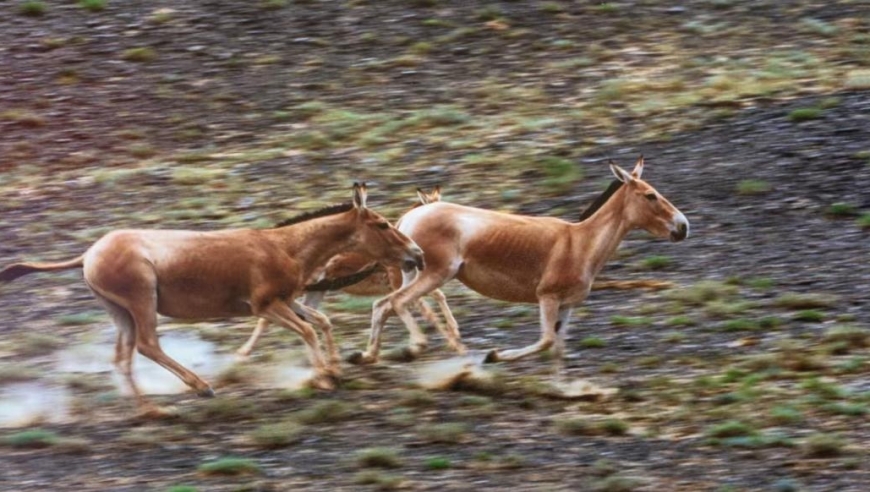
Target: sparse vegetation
378	458
230	466
93	5
32	8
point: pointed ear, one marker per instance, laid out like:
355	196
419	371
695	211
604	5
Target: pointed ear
422	196
620	173
359	195
638	168
435	196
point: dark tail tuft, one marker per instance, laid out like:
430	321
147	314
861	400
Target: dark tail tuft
339	283
12	272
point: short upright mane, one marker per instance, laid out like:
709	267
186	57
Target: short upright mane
601	200
314	214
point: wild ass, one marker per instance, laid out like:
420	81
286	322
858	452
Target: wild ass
516	258
357	273
136	274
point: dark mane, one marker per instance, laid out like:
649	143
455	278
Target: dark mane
601	200
323	212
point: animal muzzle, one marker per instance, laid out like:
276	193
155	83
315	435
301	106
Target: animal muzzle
680	230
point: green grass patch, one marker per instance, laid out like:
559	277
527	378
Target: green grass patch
593	342
753	187
820	445
630	321
33	344
324	412
438	463
841	209
32	8
443	433
656	262
378	457
32	438
231	466
863	221
93	5
853	336
702	292
740	324
279	435
139	55
731	428
804	114
380	481
78	319
809	316
798	301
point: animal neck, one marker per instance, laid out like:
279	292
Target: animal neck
313	242
603	231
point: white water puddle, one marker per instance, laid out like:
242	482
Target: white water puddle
194	353
25	404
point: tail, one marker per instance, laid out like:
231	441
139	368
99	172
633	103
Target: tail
16	270
631	284
341	282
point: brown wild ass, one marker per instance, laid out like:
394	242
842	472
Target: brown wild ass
355	274
358	274
136	274
516	258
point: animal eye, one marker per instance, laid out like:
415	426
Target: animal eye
651	197
383	225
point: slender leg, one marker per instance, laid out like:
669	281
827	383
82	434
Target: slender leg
322	322
280	313
148	344
549	308
451	333
245	350
559	346
125	345
397	303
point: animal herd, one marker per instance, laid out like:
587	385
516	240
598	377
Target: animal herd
137	274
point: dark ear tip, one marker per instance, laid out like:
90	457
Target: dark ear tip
419	190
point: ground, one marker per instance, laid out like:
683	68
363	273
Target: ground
754	118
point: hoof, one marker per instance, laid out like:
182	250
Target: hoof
491	356
405	354
359	358
324	382
205	393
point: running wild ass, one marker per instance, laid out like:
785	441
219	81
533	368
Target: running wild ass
136	274
517	258
357	273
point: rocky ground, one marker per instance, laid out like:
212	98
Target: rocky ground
754	117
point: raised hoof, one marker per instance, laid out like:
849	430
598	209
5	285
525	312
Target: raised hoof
404	354
491	356
205	393
359	358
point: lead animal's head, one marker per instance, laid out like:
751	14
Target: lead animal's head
647	209
378	239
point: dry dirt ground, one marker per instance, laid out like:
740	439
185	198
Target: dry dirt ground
749	374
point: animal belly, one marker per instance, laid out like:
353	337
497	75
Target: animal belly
501	285
195	304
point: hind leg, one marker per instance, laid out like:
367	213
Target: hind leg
322	321
245	350
451	332
280	313
148	344
125	345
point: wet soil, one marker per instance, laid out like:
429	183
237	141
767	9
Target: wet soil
221	79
